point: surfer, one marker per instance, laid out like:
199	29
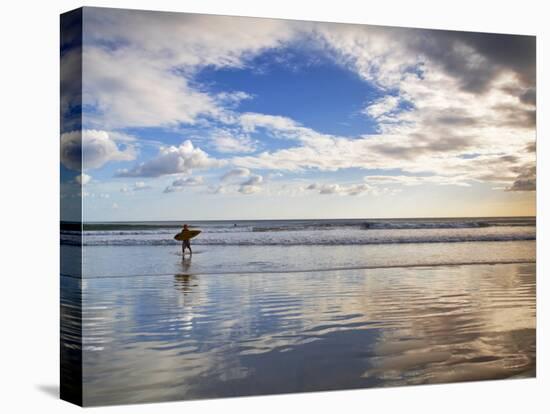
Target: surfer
184	236
186	242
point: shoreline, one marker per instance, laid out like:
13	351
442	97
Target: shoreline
146	260
334	269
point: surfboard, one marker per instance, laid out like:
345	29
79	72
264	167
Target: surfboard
186	234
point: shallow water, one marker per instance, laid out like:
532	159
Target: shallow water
107	261
185	336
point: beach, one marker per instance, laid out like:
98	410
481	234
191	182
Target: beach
297	306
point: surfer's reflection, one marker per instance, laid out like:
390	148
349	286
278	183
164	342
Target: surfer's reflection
184	282
185	264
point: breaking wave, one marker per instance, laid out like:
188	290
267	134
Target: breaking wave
305	232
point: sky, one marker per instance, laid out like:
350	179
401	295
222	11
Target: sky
197	117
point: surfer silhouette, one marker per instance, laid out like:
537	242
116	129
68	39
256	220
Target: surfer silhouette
186	242
185	235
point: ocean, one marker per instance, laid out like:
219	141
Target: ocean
274	306
312	232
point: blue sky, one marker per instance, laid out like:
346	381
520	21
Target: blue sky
238	118
334	109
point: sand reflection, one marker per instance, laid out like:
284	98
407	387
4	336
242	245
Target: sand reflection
198	336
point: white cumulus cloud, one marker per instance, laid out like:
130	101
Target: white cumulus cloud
252	185
83	179
181	183
91	149
235	173
173	160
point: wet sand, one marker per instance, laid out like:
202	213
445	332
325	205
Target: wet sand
188	336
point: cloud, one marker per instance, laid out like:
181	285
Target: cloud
226	143
283	127
71	85
409	180
250	189
512	115
383	106
91	149
235	173
476	59
232	181
253	180
83	179
232	98
252	185
465	93
457	65
152	96
140	66
88	194
528	96
216	189
351	189
161	90
181	183
423	145
173	160
330	153
443	122
140	186
219	41
436	154
525	181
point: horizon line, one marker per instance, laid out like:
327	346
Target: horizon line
296	219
